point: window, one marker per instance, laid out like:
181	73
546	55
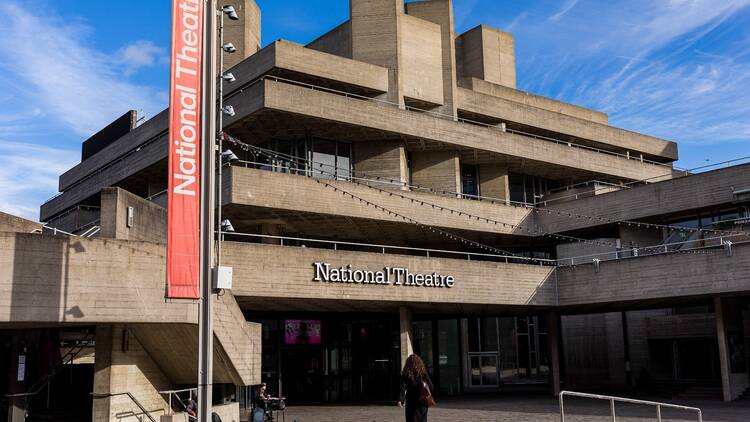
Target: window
469	181
321	158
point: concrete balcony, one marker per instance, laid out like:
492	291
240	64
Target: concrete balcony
271	277
682	194
591	133
284	193
61	280
422	128
656	279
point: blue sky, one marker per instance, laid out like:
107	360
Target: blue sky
677	69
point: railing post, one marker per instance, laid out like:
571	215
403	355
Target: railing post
612	408
658	412
562	408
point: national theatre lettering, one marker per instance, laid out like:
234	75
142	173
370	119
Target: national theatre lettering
395	276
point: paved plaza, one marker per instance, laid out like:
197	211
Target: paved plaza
519	409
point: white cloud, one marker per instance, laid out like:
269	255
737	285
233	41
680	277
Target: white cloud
567	7
676	69
72	82
55	90
139	54
28	173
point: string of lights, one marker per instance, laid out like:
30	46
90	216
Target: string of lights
255	150
270	154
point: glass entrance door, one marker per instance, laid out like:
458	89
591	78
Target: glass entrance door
483	367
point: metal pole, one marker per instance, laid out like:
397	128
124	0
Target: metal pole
220	138
612	408
562	408
205	323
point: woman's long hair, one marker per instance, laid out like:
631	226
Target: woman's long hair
414	368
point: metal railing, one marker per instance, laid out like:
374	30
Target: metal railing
311	172
176	393
612	400
132	398
45	382
452	118
725	242
337	245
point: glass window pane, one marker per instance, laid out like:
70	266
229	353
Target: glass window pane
473	325
323	158
489	334
489	370
476	378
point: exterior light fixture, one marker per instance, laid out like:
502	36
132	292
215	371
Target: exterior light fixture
230	156
228	77
228	110
229	48
230	12
226	226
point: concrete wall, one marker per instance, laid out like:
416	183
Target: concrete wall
487	53
657	277
123	365
593	351
76	280
529	99
270	273
376	37
421	61
243	33
11	223
337	41
441	12
692	192
437	170
581	253
385	159
493	181
149	219
261	188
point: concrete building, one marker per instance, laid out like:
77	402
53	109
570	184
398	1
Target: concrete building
393	192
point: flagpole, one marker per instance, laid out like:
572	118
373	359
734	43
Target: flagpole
208	160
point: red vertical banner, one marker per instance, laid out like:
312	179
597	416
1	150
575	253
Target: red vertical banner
183	231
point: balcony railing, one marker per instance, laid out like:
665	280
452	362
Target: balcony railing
390	249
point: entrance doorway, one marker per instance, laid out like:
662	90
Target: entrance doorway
349	358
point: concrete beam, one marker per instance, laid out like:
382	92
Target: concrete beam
681	194
601	135
656	277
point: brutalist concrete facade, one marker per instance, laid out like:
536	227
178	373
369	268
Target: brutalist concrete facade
392	144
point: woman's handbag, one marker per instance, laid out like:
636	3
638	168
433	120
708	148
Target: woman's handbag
425	396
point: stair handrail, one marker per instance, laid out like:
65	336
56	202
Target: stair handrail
132	398
613	399
43	382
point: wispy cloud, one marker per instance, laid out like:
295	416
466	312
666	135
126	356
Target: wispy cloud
55	90
140	54
677	69
570	4
72	82
27	173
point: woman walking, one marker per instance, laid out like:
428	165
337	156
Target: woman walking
416	390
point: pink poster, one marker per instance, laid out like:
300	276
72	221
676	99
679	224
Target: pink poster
301	331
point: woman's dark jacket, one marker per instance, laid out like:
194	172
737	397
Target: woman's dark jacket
410	390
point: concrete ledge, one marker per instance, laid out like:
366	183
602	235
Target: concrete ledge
485	87
507	110
271	272
677	195
262	188
656	277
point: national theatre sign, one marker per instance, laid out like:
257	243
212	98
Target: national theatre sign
395	276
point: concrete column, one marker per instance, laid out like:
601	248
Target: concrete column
729	329
407	344
102	372
553	340
494	181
